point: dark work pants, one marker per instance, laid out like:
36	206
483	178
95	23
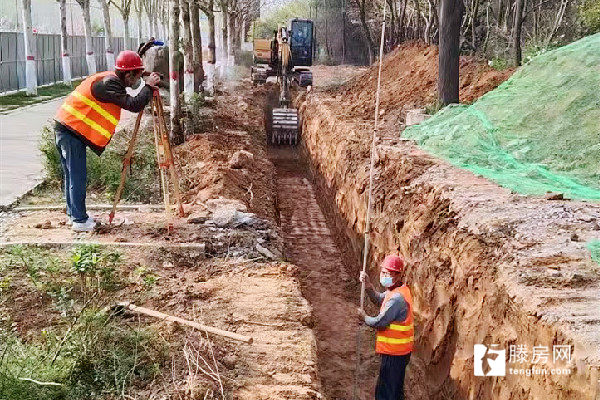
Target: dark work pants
390	385
72	158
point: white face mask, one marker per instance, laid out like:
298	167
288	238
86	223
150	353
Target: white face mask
386	281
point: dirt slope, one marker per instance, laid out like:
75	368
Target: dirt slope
485	266
409	80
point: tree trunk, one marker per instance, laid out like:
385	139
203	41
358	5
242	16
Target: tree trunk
230	35
176	134
212	51
197	45
401	26
64	49
418	20
188	53
140	33
225	28
110	54
517	57
126	27
430	19
30	50
89	48
363	20
451	12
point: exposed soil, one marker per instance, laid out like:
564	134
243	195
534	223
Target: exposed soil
484	264
228	294
204	158
409	80
323	275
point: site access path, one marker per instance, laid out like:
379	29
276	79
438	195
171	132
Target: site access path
21	164
20	158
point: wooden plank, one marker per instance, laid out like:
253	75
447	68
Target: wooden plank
170	318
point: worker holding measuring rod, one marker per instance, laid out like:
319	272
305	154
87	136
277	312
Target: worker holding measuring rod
89	117
394	324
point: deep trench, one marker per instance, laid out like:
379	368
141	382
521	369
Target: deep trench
327	272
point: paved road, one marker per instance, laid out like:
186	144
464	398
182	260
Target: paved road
20	158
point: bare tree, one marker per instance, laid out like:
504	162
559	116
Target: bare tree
89	48
196	45
64	49
517	32
30	67
362	10
188	56
139	8
124	7
451	13
208	10
108	38
176	134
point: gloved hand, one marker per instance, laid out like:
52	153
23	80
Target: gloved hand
152	80
365	278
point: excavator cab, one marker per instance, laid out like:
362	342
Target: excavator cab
295	48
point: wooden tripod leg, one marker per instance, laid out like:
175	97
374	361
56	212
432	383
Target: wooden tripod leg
170	161
160	156
126	163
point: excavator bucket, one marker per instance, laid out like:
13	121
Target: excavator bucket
285	126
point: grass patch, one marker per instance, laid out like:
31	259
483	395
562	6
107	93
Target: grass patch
19	99
88	354
95	357
104	172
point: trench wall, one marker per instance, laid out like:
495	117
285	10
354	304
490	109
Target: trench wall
459	271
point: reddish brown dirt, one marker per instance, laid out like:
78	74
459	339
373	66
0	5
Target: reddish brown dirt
409	80
324	272
482	261
204	158
228	294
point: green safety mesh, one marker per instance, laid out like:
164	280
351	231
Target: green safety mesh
538	132
594	247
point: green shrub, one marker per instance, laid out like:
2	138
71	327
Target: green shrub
589	12
97	357
104	172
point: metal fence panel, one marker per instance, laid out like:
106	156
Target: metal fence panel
9	79
48	58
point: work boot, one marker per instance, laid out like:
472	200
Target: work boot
86	226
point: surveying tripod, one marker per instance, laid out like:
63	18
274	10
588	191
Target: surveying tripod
164	158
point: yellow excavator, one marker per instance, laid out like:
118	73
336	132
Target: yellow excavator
295	47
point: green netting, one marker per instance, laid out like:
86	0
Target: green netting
538	132
594	247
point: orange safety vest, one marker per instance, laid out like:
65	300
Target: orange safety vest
399	336
94	120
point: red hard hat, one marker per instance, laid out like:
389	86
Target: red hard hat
393	263
128	60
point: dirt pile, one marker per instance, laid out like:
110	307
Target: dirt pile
485	266
409	80
205	159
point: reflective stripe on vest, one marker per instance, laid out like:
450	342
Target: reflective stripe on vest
82	112
398	338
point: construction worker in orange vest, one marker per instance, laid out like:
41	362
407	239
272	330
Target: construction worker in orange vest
395	328
88	117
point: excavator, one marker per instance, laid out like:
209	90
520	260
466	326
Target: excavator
295	47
